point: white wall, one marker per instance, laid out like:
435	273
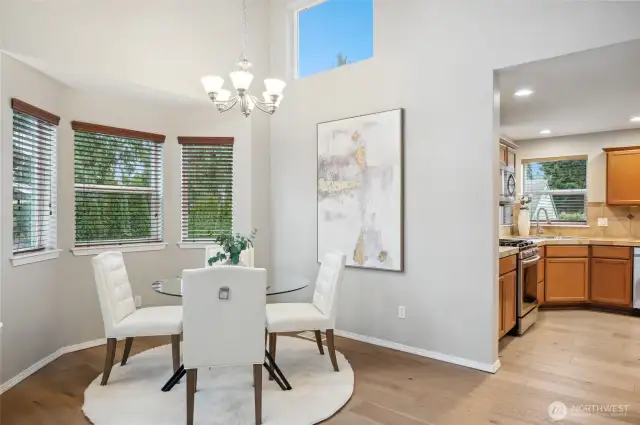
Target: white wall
28	293
52	304
157	48
435	59
582	144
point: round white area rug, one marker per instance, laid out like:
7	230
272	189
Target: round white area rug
133	395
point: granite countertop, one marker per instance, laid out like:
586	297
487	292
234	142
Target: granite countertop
590	241
506	251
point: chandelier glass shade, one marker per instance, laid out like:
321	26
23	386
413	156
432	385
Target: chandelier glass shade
241	79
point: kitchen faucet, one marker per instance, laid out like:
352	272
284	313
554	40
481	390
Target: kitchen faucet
538	230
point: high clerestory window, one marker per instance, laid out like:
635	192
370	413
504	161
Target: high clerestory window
333	33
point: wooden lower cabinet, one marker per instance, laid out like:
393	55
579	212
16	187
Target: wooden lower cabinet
501	331
566	280
611	281
507	303
509	308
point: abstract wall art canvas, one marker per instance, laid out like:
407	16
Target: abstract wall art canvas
360	189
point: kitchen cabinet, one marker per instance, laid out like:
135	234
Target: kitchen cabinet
503	154
540	292
623	175
566	279
611	277
509	298
507	295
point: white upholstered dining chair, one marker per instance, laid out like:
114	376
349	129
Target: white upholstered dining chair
316	316
119	314
224	324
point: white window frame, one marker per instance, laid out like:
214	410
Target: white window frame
585	191
127	245
46	244
297	6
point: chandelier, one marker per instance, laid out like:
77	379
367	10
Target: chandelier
241	79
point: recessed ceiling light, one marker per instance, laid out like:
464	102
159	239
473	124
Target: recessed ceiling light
545	131
523	93
635	119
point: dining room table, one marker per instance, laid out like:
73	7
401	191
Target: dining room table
173	287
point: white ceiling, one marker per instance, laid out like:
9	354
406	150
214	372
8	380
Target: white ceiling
155	49
586	92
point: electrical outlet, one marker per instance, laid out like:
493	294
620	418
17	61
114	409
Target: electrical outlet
603	221
138	301
402	312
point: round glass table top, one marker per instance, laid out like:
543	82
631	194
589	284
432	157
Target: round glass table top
173	287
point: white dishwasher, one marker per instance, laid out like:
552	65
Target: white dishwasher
636	278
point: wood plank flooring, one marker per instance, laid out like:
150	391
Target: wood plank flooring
577	357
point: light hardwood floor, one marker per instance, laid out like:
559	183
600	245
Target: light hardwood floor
577	357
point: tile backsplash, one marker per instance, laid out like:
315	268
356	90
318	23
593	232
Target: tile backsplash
623	222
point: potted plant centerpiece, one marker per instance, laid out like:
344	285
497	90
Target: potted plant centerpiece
524	221
232	246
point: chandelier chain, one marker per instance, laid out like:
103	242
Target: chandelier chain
244	24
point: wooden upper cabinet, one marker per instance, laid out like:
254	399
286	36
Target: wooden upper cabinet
611	281
623	175
566	279
503	154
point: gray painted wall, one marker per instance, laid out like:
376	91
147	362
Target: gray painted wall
53	304
436	59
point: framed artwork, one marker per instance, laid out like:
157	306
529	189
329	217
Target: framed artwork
360	189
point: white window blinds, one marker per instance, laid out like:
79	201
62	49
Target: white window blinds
207	187
34	178
559	186
118	185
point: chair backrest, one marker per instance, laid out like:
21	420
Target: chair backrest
247	257
114	289
223	332
211	251
325	297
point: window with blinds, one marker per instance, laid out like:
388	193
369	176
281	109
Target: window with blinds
559	186
118	185
207	187
34	178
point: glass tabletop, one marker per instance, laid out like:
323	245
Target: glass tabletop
173	287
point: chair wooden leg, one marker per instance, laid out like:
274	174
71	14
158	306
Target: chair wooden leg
192	377
108	361
257	392
127	350
273	341
319	342
175	350
332	350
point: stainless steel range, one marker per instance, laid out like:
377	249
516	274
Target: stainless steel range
527	282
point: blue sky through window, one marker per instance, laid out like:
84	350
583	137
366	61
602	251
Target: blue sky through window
334	27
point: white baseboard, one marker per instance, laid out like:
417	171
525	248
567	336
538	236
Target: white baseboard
42	363
29	371
84	345
485	367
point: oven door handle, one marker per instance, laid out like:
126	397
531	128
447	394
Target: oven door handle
529	261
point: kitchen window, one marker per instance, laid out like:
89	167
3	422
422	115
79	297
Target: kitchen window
207	187
34	178
559	185
118	186
333	33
